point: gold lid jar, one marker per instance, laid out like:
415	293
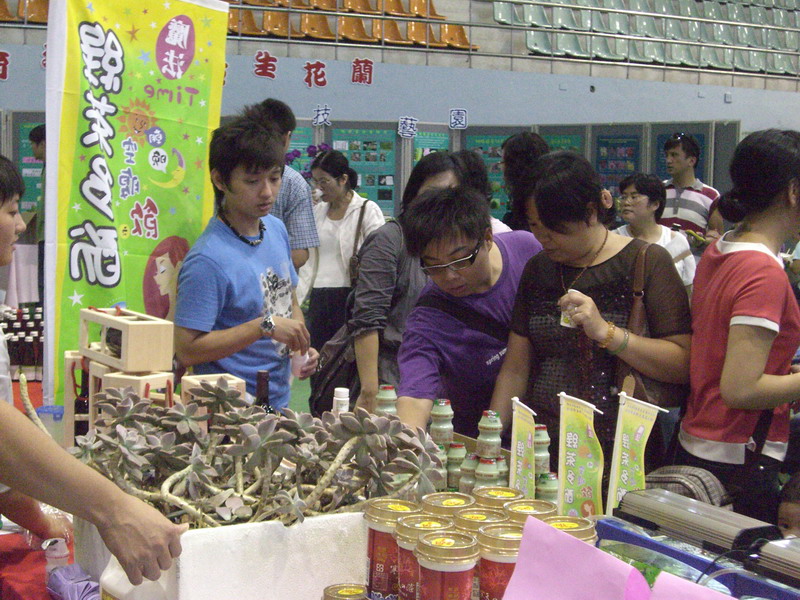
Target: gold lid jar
382	513
495	496
518	511
499	540
409	529
345	591
447	549
470	520
578	527
446	504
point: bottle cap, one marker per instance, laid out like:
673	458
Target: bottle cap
503	539
472	519
519	510
496	496
410	528
446	503
447	548
385	512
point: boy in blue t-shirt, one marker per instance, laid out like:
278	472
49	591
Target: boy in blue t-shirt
237	312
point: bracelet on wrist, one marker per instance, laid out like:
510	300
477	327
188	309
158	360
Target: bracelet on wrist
623	345
609	335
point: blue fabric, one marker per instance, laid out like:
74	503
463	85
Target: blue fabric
225	282
293	207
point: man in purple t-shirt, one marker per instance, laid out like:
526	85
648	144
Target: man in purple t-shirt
441	356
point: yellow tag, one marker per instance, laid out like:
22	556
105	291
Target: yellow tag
524	508
428	525
500	494
453	502
398	507
474	517
351	591
443	541
564	525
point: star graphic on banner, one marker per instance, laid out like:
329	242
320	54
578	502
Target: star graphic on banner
167	5
89	7
202	77
152	73
82	157
137	75
202	102
145	58
209	43
185	136
197	197
199	140
105	19
153	25
76	207
198	163
191	77
173	210
144	11
76	298
132	32
127	12
206	21
117	25
200	49
118	203
158	81
124	253
185	190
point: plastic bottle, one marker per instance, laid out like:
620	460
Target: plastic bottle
502	471
56	552
442	422
440	485
486	473
114	585
341	400
541	450
467	480
455	457
386	401
490	427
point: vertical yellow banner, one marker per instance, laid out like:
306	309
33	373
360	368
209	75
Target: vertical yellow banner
634	424
580	460
523	428
133	96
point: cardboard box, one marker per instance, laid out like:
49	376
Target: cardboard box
258	561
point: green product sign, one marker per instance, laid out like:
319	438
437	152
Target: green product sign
371	155
31	170
430	141
488	146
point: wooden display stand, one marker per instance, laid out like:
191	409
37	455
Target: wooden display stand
145	342
96	373
193	381
143	384
72	363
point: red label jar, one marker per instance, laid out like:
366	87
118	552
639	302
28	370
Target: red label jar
407	534
381	515
499	547
446	565
446	504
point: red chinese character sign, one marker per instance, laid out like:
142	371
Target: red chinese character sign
5	61
139	92
315	74
361	72
265	65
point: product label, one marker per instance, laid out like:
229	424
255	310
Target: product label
444	542
524	508
501	494
407	574
349	592
454	502
494	579
382	562
436	585
398	507
428	525
474	517
564	525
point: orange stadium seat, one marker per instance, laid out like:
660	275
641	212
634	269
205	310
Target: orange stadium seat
424	8
359	6
316	27
388	31
422	35
352	29
277	23
5	14
455	37
243	22
34	11
394	8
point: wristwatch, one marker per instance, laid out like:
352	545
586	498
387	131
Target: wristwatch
267	325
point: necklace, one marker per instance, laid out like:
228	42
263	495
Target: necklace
583	270
247	241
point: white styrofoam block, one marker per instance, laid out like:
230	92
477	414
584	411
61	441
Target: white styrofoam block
258	561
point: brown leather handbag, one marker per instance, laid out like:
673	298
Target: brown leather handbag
631	381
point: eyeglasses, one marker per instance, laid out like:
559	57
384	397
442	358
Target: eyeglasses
323	181
456	265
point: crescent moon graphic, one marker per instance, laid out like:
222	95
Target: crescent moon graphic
178	173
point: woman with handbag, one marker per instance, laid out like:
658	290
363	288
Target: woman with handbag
570	330
344	219
746	329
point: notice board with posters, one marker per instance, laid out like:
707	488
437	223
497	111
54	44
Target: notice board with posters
22	154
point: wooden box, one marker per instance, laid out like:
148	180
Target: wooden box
193	381
72	363
145	342
143	384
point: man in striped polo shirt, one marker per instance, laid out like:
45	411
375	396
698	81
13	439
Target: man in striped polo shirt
690	203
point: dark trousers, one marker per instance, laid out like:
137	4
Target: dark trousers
755	491
327	312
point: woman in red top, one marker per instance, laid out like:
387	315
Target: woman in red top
746	327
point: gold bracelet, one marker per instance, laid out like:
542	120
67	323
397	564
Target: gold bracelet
609	336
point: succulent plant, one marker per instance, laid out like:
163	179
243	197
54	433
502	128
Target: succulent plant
217	460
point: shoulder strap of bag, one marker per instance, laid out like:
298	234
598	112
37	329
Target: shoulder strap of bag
760	435
358	226
637	318
467	315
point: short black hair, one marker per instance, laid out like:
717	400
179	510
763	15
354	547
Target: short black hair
447	213
565	188
335	164
475	173
11	182
430	165
521	152
38	134
763	166
647	185
274	113
687	143
246	143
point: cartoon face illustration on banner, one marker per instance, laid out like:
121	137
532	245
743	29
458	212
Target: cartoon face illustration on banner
175	47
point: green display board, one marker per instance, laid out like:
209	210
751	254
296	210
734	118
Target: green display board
430	141
302	138
488	146
617	157
371	155
31	170
573	143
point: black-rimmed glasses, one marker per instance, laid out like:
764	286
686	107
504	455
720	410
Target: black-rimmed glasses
456	265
